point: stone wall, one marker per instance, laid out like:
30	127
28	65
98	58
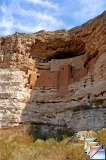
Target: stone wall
59	79
76	62
63	80
47	78
62	73
32	78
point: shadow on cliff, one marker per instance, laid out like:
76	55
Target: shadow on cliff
40	125
33	117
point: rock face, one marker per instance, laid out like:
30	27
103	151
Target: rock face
55	80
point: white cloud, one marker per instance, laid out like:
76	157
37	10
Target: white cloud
7	21
28	20
89	9
43	3
34	15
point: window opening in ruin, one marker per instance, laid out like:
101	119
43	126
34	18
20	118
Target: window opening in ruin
62	68
102	93
84	65
71	70
88	96
37	76
84	85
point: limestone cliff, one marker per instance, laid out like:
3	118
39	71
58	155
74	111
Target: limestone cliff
55	79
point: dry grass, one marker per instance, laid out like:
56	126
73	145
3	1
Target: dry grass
16	144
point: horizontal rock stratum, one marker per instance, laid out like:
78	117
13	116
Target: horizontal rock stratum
55	80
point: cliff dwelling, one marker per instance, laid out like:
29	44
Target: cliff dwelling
62	72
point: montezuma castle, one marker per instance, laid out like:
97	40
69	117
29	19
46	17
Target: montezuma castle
62	73
55	81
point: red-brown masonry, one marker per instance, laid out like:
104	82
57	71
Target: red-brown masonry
60	79
63	79
47	78
32	78
79	73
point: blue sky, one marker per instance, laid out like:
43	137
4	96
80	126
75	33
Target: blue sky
30	16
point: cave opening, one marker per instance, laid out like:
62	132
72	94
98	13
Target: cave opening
65	54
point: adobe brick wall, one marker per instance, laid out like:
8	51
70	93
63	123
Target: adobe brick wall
79	73
76	62
63	81
66	71
47	78
60	79
56	63
32	78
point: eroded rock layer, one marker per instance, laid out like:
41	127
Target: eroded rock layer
55	79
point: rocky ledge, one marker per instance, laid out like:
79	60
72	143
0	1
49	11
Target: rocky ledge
55	80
